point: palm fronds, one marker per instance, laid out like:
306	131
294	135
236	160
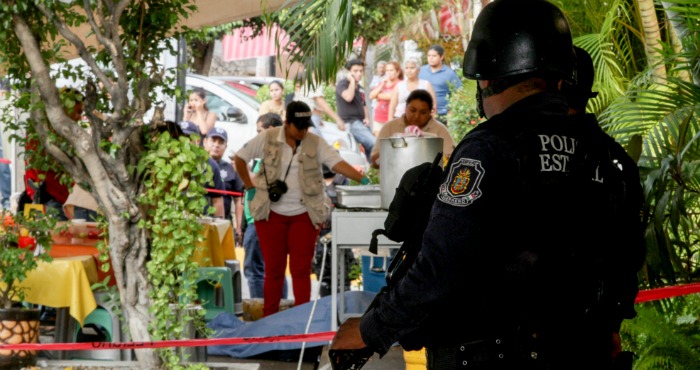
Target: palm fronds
320	36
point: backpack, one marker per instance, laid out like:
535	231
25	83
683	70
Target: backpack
408	215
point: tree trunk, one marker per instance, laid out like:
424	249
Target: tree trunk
208	57
363	52
111	180
679	32
129	250
652	40
202	53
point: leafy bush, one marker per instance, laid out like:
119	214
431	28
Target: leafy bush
665	334
463	115
19	235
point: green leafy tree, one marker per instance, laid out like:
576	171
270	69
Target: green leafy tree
320	36
120	44
321	32
374	19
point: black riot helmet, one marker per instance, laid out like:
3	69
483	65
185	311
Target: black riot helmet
514	37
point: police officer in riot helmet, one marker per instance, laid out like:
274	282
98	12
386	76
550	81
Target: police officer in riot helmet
531	254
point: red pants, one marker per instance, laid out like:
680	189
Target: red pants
281	236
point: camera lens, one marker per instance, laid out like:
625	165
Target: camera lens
276	190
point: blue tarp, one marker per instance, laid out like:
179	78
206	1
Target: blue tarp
287	322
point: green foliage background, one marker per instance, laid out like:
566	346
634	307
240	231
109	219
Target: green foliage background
665	334
463	116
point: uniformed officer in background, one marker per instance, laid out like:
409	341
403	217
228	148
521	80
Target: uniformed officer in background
531	255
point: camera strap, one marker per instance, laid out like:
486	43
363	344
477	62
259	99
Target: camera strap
294	152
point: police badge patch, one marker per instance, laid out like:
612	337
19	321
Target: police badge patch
462	186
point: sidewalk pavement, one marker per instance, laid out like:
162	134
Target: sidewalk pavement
393	360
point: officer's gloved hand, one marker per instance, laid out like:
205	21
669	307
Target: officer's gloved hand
365	181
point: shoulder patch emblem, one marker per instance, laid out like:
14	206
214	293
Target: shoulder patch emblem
462	186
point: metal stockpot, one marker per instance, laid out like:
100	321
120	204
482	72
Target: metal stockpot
399	154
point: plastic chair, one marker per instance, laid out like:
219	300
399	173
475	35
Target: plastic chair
96	328
102	325
208	280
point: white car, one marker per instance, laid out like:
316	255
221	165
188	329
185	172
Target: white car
237	113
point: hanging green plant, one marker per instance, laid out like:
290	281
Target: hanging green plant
175	171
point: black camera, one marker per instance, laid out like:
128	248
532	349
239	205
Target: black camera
276	190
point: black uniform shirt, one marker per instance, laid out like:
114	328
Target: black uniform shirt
215	183
490	222
232	182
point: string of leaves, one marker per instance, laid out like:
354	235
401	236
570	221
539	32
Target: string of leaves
174	171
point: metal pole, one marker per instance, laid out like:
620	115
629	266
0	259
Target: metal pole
181	73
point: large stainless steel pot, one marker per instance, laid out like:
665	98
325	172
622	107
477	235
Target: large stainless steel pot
398	155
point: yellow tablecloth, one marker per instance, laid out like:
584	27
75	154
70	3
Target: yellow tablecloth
64	282
217	245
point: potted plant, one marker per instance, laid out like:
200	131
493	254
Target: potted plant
20	237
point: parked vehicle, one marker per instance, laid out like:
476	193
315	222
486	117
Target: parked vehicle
237	113
243	88
247	83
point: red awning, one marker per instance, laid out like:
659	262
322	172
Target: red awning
240	45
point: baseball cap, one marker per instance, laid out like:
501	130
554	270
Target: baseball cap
189	128
218	132
299	114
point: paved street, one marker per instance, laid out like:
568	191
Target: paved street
393	360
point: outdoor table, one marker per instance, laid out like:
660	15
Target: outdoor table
69	250
64	282
218	245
